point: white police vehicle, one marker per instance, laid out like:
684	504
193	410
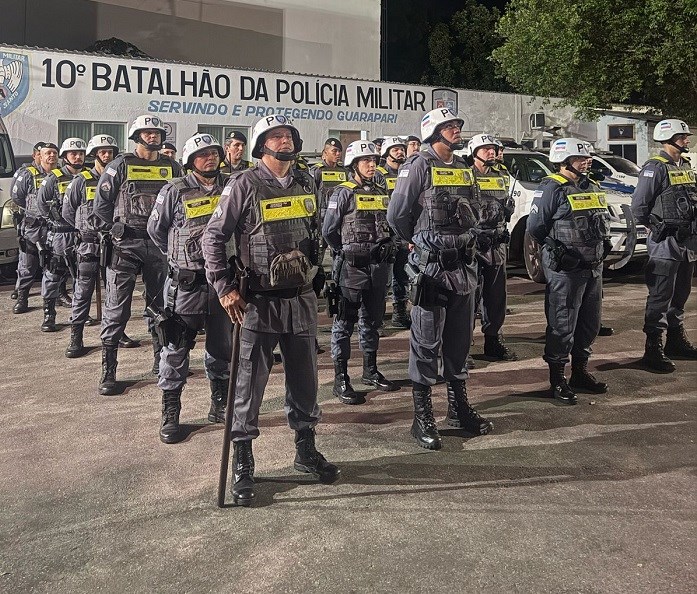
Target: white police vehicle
9	247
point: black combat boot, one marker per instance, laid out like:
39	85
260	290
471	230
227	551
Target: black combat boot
243	473
107	383
424	429
49	324
308	459
560	389
678	345
171	407
156	352
219	389
76	348
582	379
14	294
495	348
22	305
126	342
400	317
343	389
654	357
606	331
64	299
461	414
371	375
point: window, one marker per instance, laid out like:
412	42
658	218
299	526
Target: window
221	132
628	151
620	132
528	167
7	165
86	130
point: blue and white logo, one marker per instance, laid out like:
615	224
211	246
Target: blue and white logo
14	81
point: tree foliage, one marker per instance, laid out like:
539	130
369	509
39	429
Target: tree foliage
459	50
596	53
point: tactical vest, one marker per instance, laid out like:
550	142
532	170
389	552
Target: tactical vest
85	221
366	223
329	179
490	199
588	224
676	205
197	205
144	180
283	233
390	179
227	170
32	203
446	200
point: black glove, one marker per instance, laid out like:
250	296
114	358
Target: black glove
607	248
319	281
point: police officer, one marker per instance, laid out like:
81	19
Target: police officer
328	174
378	143
413	145
393	152
430	207
493	208
176	225
270	210
61	235
32	227
169	150
124	200
569	218
235	143
665	200
77	212
356	229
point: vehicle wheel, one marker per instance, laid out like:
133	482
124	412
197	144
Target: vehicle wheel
532	252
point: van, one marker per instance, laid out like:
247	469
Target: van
527	169
9	246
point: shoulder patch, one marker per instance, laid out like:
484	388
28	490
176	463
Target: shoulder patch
111	171
403	172
647	173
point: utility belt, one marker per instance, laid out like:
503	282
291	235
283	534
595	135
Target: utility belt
120	230
447	258
661	231
89	237
381	253
187	279
283	293
563	260
491	238
424	291
56	228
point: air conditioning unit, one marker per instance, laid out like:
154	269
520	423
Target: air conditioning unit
537	121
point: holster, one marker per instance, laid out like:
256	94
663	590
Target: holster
423	291
106	250
561	259
333	295
170	328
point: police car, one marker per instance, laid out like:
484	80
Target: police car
9	247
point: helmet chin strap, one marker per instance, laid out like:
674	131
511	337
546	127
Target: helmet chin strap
206	174
453	146
398	160
681	149
487	162
150	147
280	156
79	167
575	171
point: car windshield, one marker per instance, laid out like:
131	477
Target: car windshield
7	166
528	167
622	165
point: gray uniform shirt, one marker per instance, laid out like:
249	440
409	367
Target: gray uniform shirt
653	179
405	208
23	184
232	219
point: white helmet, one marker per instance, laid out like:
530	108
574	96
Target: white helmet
358	149
269	123
480	140
72	144
564	148
147	122
391	141
666	129
199	142
101	141
435	118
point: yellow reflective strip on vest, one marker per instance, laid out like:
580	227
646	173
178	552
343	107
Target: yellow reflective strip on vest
86	174
333	176
391	182
57	172
349	184
33	170
63	186
659	159
491	183
371	202
90	192
449	176
200	207
148	172
288	207
681	177
587	201
560	178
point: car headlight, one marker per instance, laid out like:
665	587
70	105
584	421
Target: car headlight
6	221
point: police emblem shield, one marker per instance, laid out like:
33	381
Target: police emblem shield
445	98
14	81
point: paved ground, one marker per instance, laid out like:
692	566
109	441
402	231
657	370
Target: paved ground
594	498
